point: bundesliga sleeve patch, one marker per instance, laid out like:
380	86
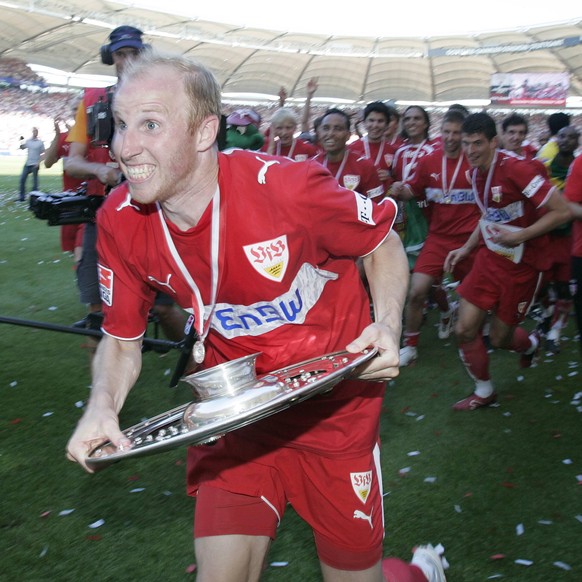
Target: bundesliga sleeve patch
365	209
105	284
533	186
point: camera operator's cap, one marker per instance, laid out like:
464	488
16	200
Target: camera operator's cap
125	36
244	117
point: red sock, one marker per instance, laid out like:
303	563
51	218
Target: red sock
396	570
520	341
474	356
411	338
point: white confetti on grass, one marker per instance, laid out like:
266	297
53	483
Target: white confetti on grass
545	522
579	518
43	552
430	480
458	509
567	461
97	524
413	453
523	562
562	565
137	490
279	564
66	512
519	529
49	413
13	384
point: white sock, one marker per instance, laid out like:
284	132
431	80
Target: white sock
534	345
483	388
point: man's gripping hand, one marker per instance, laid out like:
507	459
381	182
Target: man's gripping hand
385	366
94	428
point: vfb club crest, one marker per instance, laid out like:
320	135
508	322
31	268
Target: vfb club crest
269	258
361	484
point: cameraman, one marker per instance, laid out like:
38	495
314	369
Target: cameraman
90	160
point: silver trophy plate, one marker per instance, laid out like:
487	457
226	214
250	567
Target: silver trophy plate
231	396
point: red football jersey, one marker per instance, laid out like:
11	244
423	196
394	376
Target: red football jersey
287	282
380	153
573	193
299	150
518	188
354	173
448	191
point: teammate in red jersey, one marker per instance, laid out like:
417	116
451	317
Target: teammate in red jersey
442	179
374	145
262	250
508	267
281	140
558	297
573	194
514	130
415	128
350	170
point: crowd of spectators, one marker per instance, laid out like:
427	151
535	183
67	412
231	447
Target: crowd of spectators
27	105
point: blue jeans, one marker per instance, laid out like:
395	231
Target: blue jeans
25	171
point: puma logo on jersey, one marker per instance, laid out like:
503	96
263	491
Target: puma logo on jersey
127	203
161	283
262	175
361	515
435	176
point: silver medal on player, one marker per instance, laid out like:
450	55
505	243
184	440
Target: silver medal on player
198	352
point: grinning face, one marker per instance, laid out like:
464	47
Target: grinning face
157	153
333	133
451	136
415	125
479	150
513	137
375	125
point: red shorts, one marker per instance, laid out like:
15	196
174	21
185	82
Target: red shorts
341	499
496	284
432	257
71	237
561	258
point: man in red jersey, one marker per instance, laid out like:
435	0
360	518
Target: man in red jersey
350	170
508	267
556	297
374	145
573	194
281	140
262	250
442	179
514	131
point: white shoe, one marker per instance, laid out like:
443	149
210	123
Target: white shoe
408	355
447	320
431	561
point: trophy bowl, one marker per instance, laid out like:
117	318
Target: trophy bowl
231	396
225	379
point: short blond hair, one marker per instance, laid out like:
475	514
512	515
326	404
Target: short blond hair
200	84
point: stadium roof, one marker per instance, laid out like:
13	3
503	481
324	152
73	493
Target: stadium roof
67	35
